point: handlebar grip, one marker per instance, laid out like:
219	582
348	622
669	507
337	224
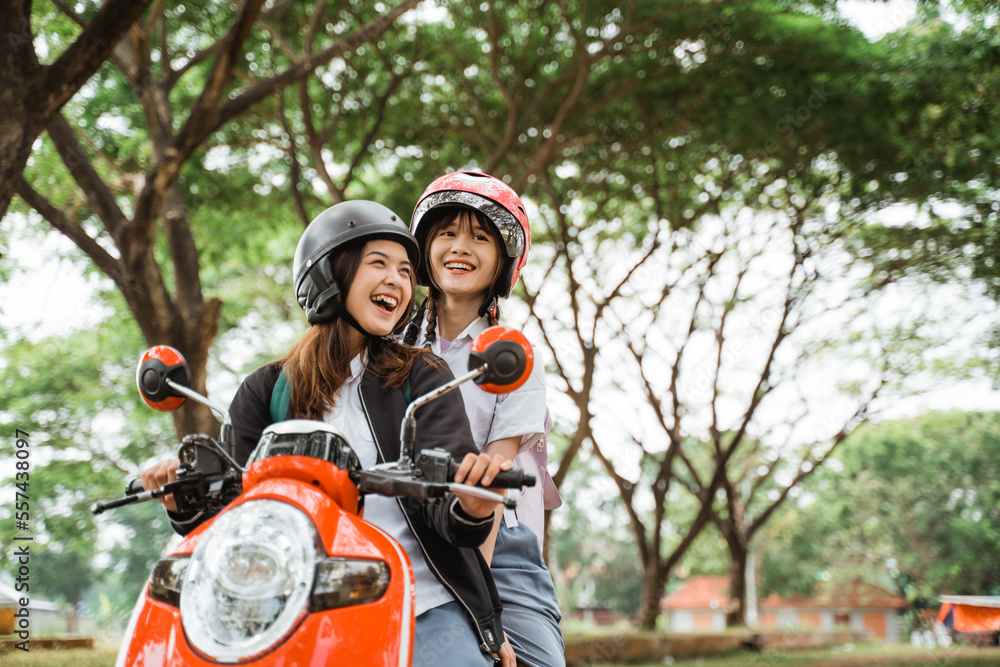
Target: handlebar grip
133	487
512	479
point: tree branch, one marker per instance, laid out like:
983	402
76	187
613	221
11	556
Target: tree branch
88	52
72	230
295	170
362	35
100	198
626	489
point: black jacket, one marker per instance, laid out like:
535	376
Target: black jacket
447	536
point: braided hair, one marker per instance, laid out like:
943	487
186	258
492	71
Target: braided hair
429	308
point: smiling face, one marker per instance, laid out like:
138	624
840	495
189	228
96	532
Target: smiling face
382	288
463	256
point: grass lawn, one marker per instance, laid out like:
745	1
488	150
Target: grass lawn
850	655
102	655
104	652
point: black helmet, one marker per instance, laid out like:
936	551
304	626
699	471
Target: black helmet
333	230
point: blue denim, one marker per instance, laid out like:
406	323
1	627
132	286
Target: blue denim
444	636
530	609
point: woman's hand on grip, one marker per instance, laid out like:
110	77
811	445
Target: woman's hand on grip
480	470
159	474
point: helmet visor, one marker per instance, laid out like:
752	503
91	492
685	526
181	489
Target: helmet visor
508	226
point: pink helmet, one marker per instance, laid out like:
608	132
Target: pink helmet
494	199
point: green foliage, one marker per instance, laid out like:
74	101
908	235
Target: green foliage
89	433
707	556
793	550
591	551
680	112
941	82
915	499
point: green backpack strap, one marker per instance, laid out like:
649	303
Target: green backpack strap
281	397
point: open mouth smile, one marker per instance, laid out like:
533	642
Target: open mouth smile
459	266
385	302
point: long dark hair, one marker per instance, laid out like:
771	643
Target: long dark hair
319	364
467	218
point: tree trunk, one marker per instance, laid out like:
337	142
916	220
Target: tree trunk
654	582
736	611
73	618
193	417
19	73
31	93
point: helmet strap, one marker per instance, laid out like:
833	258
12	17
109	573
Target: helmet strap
340	310
330	307
490	307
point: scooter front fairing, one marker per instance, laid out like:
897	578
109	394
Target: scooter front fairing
352	600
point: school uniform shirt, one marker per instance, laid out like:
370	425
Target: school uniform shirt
497	416
348	417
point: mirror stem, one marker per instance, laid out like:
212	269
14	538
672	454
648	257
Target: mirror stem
226	432
408	430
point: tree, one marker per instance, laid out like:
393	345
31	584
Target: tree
176	81
693	201
663	150
86	436
915	499
942	80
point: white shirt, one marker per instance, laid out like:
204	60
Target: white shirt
348	416
495	417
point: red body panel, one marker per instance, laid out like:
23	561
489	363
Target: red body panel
376	633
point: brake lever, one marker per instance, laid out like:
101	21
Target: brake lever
393	481
132	496
481	494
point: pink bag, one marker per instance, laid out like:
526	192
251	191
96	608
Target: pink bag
543	495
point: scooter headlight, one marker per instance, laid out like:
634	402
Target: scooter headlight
248	583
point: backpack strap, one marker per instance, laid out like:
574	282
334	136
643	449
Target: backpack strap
281	397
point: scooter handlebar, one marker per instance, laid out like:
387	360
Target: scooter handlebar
134	493
514	478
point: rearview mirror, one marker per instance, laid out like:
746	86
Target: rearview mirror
157	365
508	358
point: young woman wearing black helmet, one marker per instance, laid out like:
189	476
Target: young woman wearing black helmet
474	237
354	278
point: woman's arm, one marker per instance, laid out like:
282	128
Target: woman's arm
443	423
507	450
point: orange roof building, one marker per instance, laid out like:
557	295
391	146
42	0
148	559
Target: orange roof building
700	606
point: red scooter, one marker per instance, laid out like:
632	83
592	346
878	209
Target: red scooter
288	572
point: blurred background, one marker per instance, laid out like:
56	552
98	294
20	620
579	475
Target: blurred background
763	272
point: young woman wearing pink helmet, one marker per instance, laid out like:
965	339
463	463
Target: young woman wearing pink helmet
474	237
